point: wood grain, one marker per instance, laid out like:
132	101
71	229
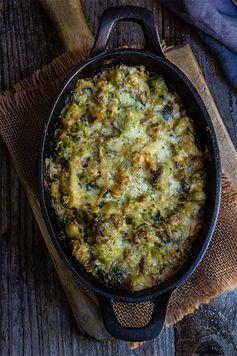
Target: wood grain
35	316
68	18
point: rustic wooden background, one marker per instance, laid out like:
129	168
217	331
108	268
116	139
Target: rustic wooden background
35	316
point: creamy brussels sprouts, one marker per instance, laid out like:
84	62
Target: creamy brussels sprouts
127	178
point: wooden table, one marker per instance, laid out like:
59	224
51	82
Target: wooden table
35	316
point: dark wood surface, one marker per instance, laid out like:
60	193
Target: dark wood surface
35	316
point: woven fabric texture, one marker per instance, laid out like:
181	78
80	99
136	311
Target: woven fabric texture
22	115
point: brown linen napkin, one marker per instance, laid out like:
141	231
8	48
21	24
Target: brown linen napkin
22	115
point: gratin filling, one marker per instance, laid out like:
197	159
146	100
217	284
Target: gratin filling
127	179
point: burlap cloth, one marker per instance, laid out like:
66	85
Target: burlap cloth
22	115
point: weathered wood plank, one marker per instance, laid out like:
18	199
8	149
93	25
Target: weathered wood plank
175	31
75	32
224	96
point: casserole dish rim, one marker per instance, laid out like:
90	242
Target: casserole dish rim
167	287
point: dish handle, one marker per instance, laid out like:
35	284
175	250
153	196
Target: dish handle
147	332
140	15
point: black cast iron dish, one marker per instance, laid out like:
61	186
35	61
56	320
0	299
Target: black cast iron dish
154	60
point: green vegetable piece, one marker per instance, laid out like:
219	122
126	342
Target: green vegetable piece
167	112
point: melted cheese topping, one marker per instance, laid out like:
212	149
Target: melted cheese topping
127	178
